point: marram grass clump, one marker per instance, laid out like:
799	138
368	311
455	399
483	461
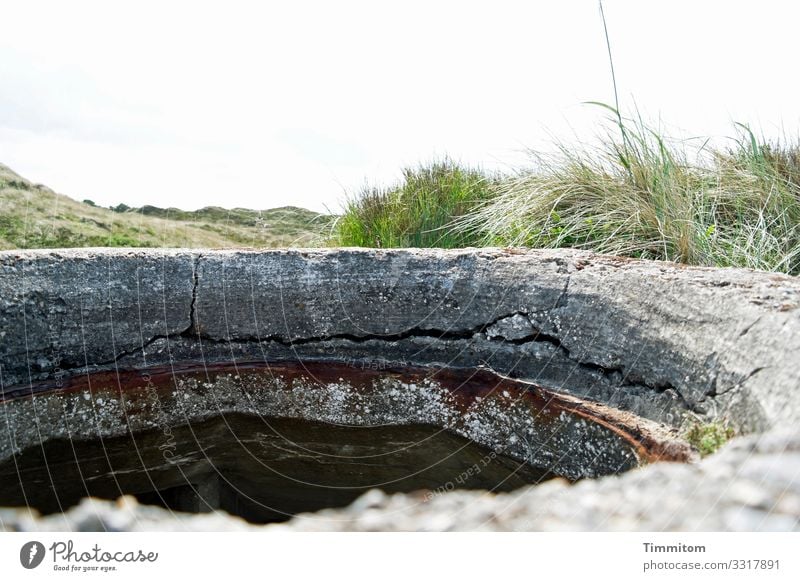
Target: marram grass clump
417	212
635	193
642	195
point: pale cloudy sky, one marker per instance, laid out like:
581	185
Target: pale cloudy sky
264	104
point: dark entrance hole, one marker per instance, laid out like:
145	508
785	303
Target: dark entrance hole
264	470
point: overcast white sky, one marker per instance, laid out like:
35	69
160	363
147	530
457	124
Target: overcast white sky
266	104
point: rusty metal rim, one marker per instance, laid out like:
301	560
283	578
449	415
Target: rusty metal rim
650	441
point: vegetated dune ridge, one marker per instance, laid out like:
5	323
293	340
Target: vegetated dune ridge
34	216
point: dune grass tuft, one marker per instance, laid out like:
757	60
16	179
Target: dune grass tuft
417	212
636	193
645	196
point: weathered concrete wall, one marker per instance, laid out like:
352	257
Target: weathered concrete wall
61	311
655	338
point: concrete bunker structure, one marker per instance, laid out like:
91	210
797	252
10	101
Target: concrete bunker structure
272	383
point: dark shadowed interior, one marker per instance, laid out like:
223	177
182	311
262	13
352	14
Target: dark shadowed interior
262	469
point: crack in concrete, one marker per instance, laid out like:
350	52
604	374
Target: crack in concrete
441	334
187	332
739	384
194	332
195	282
560	304
538	337
191	333
750	326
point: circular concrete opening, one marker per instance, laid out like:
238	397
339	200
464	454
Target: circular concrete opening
268	383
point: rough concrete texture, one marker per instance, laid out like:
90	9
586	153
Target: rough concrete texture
655	338
63	310
662	341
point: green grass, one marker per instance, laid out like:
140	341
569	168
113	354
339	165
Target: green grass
417	212
636	192
646	196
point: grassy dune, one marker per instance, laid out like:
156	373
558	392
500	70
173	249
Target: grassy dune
33	216
636	193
